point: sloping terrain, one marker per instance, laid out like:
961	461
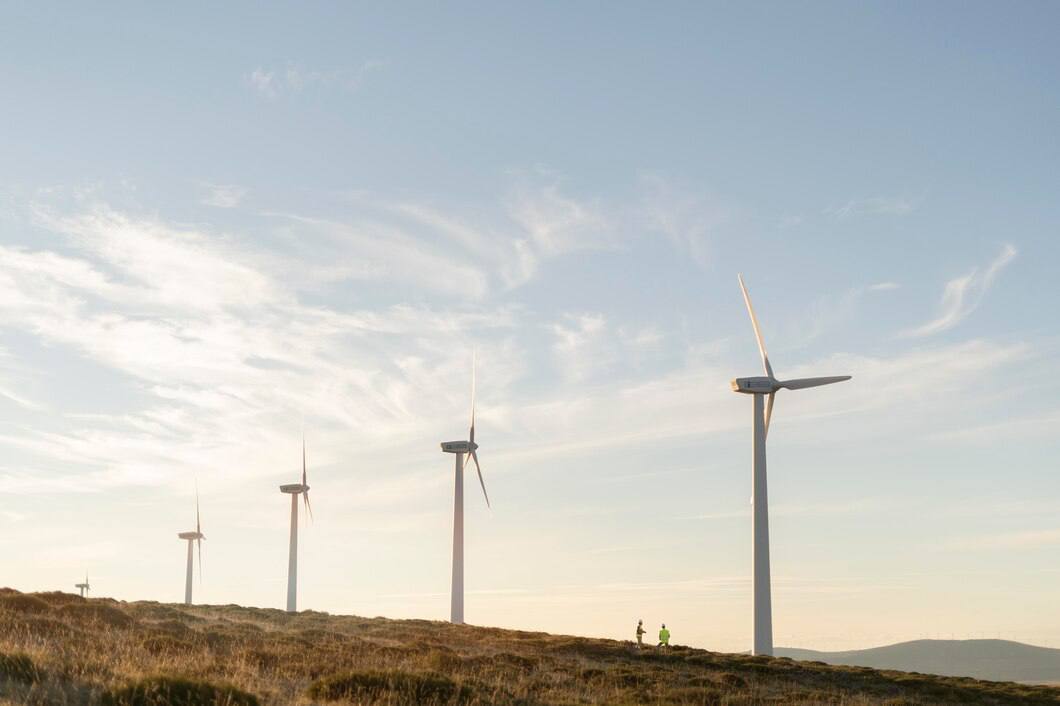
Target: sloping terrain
57	648
983	659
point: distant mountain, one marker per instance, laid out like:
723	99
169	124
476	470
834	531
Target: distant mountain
997	660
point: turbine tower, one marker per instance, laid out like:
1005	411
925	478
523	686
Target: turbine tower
764	389
83	587
294	490
462	449
192	538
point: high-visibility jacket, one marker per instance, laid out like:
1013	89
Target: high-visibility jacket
664	636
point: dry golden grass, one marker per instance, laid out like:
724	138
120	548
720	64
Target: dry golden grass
60	649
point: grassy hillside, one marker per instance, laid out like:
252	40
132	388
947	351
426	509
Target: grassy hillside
982	659
57	648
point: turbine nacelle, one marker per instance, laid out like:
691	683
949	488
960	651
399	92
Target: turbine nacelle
760	385
294	488
459	447
192	535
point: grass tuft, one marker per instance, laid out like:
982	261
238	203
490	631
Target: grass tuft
397	688
19	668
176	691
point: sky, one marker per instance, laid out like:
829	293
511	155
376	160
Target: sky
224	227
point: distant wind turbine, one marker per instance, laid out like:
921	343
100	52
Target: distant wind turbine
192	537
764	387
83	587
462	449
294	490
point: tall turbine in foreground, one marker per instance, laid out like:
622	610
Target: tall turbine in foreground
192	538
294	490
83	587
761	387
462	449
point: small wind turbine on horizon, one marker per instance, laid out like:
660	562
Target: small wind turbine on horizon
192	538
83	587
462	449
294	490
764	387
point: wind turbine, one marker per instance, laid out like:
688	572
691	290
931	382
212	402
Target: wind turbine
192	537
83	587
764	389
462	449
294	490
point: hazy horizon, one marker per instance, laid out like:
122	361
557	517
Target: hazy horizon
221	229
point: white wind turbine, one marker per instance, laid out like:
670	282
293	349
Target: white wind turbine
192	538
83	587
294	490
764	387
462	449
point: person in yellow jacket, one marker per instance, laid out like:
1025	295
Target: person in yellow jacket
664	636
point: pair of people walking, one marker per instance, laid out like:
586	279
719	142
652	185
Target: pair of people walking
664	635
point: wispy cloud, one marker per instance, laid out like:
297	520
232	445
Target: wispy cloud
273	83
223	195
538	222
1010	429
578	345
688	219
827	312
552	223
263	82
873	206
964	294
823	509
1006	540
222	349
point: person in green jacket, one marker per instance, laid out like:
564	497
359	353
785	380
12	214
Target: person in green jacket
640	634
664	636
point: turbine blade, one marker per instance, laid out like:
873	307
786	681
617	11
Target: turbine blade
481	482
198	524
303	461
199	542
758	332
474	363
802	383
308	507
769	409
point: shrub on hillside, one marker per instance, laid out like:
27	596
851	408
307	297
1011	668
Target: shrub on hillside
732	681
157	611
18	667
35	626
23	603
163	644
99	613
174	691
57	598
698	695
444	660
397	688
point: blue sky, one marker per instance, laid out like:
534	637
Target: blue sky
219	226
